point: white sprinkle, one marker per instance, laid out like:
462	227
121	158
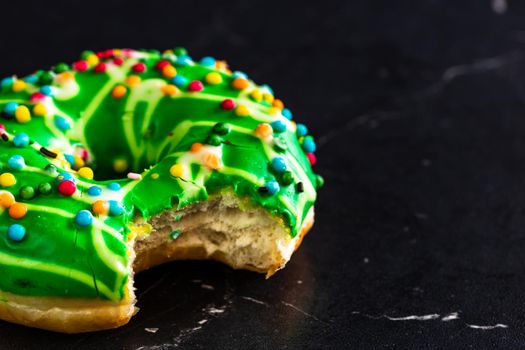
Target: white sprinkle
134	176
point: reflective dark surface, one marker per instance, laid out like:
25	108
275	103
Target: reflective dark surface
419	112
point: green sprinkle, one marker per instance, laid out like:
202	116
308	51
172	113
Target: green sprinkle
27	192
287	178
45	188
214	140
175	234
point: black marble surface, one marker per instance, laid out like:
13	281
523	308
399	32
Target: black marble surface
419	112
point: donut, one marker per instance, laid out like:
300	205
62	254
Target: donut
127	159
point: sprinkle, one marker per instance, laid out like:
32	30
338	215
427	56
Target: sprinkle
256	95
177	170
208	61
195	86
179	81
280	144
22	115
84	218
221	129
31	79
133	80
115	208
287	113
134	176
287	178
6	199
278	104
279	164
92	60
21	140
169	90
213	78
319	181
86	173
155	176
120	165
119	91
17	211
264	130
309	144
213	140
67	188
240	83
239	74
46	90
175	234
61	68
211	161
100	68
16	162
26	192
118	61
45	188
196	147
114	186
46	78
19	86
80	66
242	111
161	64
94	191
70	159
40	110
47	152
300	187
16	232
311	158
268	97
139	67
228	104
183	60
62	123
65	176
63	78
10	108
169	72
51	169
273	187
100	207
278	126
7	81
301	130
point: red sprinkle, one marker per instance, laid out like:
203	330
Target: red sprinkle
118	61
139	67
311	158
195	86
67	188
228	104
2	128
100	68
80	66
161	64
37	97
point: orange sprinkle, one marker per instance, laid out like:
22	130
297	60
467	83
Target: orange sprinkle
196	147
17	210
100	207
6	199
212	161
119	91
133	80
64	77
278	103
221	65
169	90
169	71
240	83
264	130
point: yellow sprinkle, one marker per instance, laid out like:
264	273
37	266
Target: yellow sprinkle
177	170
120	165
19	85
92	60
7	180
79	162
242	111
268	97
273	111
133	80
155	176
22	114
40	110
119	91
213	78
117	52
86	173
169	90
256	95
169	72
168	52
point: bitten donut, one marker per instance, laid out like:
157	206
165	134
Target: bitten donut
127	159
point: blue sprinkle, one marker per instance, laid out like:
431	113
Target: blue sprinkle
16	162
239	74
21	140
65	176
287	113
279	164
115	208
273	187
94	191
309	144
302	130
183	60
46	90
84	218
16	232
70	159
278	126
268	88
179	81
208	61
31	79
62	123
10	108
7	81
114	186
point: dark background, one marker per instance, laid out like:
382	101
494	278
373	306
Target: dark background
419	112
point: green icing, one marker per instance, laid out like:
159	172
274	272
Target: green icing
150	131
